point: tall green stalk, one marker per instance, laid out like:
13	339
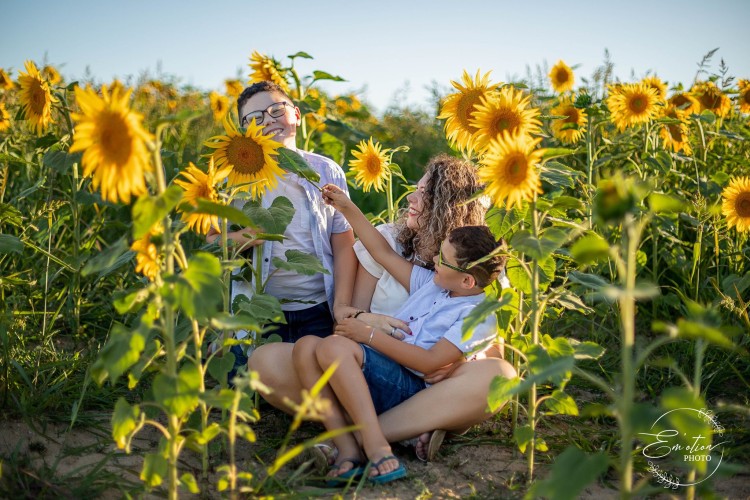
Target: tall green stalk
535	319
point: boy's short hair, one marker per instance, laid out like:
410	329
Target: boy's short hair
257	87
471	244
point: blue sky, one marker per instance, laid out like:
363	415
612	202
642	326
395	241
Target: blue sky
384	48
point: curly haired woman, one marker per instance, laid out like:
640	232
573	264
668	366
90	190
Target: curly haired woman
443	200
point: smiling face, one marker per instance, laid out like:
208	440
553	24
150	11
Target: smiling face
414	217
282	129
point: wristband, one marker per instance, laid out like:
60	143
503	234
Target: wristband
372	332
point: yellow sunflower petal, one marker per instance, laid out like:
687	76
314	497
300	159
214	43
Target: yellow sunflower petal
736	203
370	166
251	158
506	112
509	170
632	104
114	143
572	128
35	98
561	77
457	109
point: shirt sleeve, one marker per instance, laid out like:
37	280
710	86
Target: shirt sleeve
481	336
419	278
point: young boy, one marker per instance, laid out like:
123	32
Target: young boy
315	229
377	371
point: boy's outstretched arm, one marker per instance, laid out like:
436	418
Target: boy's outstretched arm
373	241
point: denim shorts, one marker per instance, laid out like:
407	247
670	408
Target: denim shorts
390	383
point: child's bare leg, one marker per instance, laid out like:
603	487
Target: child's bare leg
352	392
309	372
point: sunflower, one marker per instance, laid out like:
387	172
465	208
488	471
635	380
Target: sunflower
234	88
113	141
219	105
736	203
371	166
509	170
568	130
561	77
506	112
4	118
147	254
5	82
655	83
266	69
684	101
458	108
675	135
35	98
51	74
201	185
711	98
251	158
743	98
631	104
316	121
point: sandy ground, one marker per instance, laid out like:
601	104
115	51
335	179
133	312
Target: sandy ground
481	465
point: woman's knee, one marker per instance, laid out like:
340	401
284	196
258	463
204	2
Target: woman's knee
273	362
304	349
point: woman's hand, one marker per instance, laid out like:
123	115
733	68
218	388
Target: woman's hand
390	325
334	196
353	329
442	373
341	312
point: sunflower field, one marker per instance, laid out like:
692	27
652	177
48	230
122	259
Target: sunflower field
625	206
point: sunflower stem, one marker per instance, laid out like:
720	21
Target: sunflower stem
589	166
389	194
535	316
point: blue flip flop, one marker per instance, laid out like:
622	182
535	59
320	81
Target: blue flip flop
397	473
357	470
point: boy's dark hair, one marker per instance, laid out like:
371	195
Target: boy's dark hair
471	244
255	88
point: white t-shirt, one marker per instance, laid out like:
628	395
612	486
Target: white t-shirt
389	295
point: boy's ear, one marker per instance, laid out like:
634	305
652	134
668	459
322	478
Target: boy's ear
468	282
298	115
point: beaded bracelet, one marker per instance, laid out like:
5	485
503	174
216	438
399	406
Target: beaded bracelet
358	313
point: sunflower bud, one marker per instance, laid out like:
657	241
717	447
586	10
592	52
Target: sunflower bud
614	198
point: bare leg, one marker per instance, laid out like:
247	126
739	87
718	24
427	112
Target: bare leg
273	362
309	372
454	404
349	385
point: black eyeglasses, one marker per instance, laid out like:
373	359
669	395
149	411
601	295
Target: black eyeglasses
275	110
441	262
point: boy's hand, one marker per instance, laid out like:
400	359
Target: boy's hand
341	312
442	373
334	196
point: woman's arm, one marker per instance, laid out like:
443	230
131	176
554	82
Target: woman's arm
344	269
373	241
364	289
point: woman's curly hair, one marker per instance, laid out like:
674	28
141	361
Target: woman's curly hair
450	183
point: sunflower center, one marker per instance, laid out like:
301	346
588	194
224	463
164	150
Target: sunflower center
710	100
516	168
638	103
676	132
745	97
562	76
679	101
742	205
373	165
572	115
114	138
245	155
506	120
38	99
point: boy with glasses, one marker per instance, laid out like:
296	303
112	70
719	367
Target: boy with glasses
377	371
315	229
